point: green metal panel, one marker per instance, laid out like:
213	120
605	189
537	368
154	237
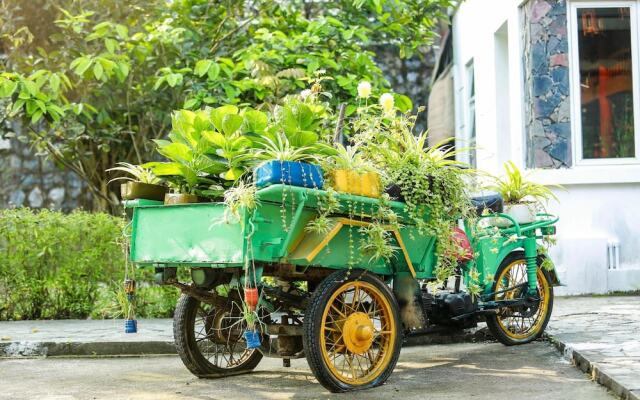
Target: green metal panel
196	234
186	233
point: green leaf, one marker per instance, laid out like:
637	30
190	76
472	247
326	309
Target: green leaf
98	71
81	66
233	174
111	45
177	152
54	83
303	138
231	123
36	116
191	103
214	72
17	107
8	88
218	114
159	82
124	68
174	79
255	121
31	87
402	102
163	168
122	31
202	67
215	138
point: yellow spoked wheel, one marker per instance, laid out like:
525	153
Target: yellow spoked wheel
352	335
520	324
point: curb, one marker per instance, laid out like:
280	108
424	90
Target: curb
594	370
84	349
113	349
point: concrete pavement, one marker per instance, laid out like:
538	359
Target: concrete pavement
601	336
597	334
460	371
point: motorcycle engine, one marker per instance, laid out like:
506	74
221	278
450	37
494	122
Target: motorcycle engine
443	307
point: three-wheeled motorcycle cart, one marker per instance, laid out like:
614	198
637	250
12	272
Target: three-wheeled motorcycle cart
319	297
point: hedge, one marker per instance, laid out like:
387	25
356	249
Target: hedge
55	265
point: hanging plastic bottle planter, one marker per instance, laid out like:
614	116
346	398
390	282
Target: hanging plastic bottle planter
252	338
130	323
130	326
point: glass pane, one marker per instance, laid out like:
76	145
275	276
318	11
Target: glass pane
606	85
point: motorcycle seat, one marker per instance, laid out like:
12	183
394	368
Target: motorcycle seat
490	201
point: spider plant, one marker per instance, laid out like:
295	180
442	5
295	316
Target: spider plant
349	158
279	148
138	174
516	188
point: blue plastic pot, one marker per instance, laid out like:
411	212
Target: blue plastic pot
130	326
252	338
294	173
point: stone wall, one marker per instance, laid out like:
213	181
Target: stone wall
411	77
546	84
32	181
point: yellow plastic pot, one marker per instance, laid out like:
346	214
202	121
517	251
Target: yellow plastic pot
365	184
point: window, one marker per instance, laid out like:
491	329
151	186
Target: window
605	68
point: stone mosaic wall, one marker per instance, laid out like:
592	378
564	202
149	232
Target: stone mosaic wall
546	84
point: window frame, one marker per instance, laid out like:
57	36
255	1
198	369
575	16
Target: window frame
574	83
470	122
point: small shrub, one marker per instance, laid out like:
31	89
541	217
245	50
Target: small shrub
51	264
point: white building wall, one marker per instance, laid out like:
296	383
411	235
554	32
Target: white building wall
600	206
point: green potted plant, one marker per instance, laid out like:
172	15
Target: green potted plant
142	184
195	169
522	197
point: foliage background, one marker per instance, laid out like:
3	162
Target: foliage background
54	265
100	81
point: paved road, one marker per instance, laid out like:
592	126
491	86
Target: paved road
476	371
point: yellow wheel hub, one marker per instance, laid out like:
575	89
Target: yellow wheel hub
358	332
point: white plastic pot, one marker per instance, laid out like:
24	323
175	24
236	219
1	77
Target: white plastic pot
522	213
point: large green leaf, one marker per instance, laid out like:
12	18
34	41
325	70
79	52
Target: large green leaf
164	168
218	114
177	152
182	121
254	121
297	116
303	138
216	138
231	123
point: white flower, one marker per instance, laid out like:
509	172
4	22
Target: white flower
305	93
387	102
364	90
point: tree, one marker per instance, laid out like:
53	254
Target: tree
101	81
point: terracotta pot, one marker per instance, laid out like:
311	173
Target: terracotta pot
139	190
180	198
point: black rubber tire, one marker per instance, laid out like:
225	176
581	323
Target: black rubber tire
192	357
313	323
492	320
